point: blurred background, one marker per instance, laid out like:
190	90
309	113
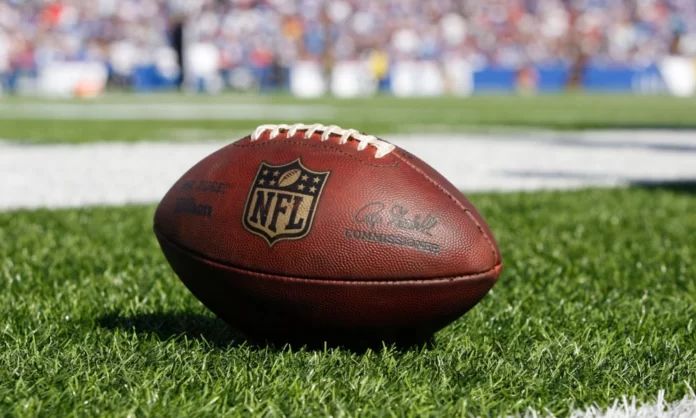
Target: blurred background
347	48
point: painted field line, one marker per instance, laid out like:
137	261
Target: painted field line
119	173
630	408
163	111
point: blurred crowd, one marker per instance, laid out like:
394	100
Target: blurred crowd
265	37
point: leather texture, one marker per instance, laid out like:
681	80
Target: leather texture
293	308
388	244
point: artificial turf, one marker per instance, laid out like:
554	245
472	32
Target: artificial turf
597	300
174	117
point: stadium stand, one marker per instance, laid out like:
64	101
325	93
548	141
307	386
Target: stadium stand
351	47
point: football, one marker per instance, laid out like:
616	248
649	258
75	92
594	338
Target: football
312	231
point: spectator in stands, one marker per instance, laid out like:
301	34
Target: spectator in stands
257	41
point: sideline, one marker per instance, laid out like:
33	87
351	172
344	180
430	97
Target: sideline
111	173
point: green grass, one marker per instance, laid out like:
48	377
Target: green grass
34	120
598	300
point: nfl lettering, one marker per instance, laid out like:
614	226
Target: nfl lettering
282	201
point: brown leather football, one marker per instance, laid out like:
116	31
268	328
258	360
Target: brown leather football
304	231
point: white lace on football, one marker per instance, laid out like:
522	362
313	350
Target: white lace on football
383	148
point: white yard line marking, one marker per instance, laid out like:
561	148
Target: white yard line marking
543	160
630	408
93	174
118	173
163	111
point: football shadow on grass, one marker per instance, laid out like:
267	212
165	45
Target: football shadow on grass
172	325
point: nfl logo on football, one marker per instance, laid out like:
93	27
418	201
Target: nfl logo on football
282	201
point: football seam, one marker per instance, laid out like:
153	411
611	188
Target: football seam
494	251
492	272
306	143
